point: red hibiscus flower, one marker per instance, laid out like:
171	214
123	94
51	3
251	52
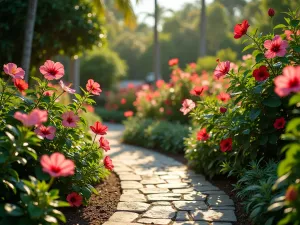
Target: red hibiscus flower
279	123
193	65
173	62
104	144
241	29
52	70
93	87
275	47
21	85
99	128
108	163
197	91
46	132
224	97
291	194
123	101
261	73
57	165
74	199
223	110
34	118
288	82
202	135
14	71
69	119
226	145
222	69
128	114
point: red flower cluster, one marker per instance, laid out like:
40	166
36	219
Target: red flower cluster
108	163
173	62
74	199
279	123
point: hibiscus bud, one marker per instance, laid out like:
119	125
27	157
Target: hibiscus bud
271	12
291	193
223	110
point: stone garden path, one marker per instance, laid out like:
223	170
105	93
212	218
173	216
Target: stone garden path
156	189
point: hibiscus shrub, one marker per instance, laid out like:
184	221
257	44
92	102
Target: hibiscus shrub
160	135
247	122
46	155
165	99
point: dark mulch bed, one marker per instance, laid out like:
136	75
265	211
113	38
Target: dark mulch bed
100	207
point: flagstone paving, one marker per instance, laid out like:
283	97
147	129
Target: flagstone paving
158	190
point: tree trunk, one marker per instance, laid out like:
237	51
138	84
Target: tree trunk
74	76
202	50
156	55
28	36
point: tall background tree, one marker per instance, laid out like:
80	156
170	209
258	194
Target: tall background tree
202	51
28	36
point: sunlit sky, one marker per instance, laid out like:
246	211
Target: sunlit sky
148	6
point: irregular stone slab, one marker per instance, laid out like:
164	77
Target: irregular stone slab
123	217
131	191
214	215
160	212
131	185
150	177
190	205
170	177
119	223
173	181
161	203
133	198
220	200
164	197
185	190
173	186
206	188
130	177
122	169
155	221
182	216
194	197
150	186
154	190
160	173
153	181
133	206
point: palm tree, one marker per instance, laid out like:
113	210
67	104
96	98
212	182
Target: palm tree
28	36
158	16
124	6
202	50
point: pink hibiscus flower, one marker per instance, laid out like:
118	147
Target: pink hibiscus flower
187	106
52	70
288	82
57	165
69	119
222	69
14	71
46	132
275	47
34	118
93	87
